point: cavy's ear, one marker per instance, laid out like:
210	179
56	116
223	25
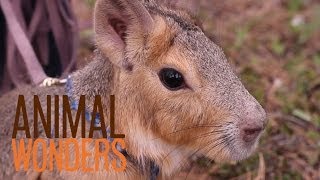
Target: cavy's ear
114	20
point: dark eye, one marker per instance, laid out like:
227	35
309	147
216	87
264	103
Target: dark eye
171	79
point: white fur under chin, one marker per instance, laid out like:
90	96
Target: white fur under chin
169	158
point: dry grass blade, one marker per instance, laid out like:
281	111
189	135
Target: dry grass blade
295	120
262	168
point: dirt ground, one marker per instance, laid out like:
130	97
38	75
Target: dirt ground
274	46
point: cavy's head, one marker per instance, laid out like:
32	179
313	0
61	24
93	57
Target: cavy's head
175	84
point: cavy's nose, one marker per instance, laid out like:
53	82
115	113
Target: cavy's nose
253	123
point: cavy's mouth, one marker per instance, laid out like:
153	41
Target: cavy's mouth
242	148
235	143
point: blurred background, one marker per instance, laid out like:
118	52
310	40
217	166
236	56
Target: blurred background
274	46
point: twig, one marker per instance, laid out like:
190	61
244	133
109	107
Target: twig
294	120
262	168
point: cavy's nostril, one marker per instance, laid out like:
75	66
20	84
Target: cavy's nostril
251	133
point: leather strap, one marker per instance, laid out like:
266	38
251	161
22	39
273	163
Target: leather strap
31	61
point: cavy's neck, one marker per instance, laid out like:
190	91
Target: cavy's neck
97	78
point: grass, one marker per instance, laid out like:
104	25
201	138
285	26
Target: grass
277	46
295	5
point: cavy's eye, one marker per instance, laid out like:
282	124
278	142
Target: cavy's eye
171	79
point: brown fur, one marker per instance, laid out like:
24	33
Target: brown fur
163	126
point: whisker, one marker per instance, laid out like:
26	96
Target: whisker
225	139
198	137
229	139
196	151
194	127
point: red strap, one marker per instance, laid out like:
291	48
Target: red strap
31	61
